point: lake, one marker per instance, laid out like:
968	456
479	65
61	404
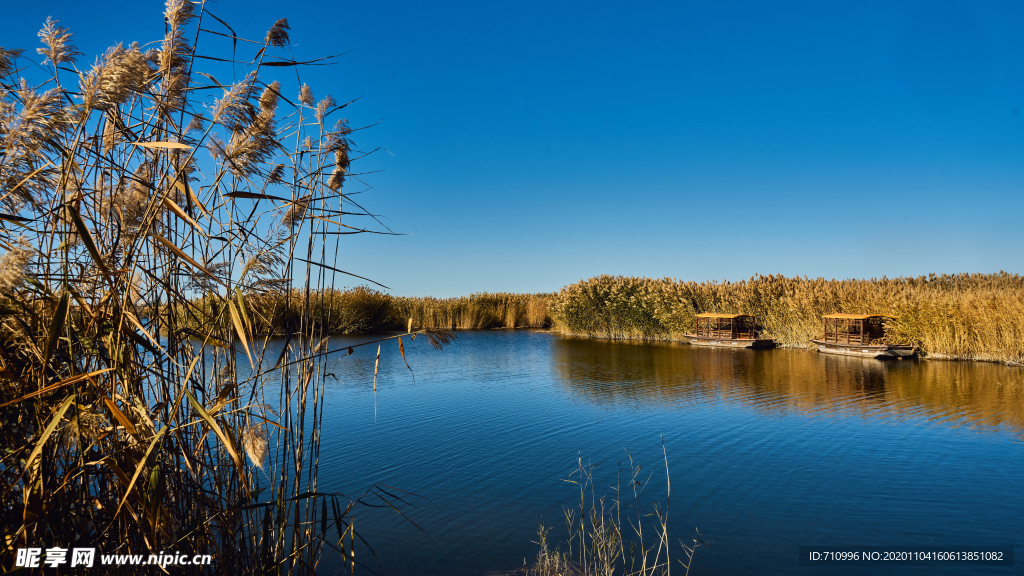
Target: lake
768	450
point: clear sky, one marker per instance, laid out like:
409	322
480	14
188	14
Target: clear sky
532	144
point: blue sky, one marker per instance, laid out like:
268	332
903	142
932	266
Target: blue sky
532	144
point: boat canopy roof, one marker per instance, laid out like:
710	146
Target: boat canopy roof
720	315
857	316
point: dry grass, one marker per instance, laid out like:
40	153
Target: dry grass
143	184
363	310
328	311
966	316
617	534
478	311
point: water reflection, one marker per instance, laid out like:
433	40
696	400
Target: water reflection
617	374
770	450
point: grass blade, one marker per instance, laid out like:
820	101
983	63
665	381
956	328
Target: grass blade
401	349
58	385
240	329
167	244
42	439
83	232
120	417
60	316
173	207
164	145
212	423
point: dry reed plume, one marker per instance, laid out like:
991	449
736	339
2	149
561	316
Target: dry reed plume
966	316
153	220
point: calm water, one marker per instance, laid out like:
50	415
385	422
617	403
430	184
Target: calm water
768	450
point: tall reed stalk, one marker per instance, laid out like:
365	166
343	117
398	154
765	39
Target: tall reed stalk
148	211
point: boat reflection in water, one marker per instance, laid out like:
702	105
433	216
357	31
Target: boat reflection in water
787	380
768	449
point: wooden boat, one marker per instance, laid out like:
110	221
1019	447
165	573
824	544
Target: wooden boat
860	335
731	330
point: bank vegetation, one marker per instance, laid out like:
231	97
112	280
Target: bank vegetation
959	316
132	420
364	310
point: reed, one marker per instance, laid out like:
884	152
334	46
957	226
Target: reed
329	311
363	310
152	219
477	311
614	534
962	316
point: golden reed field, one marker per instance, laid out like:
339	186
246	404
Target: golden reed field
962	316
362	310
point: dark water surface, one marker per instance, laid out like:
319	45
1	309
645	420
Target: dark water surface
768	450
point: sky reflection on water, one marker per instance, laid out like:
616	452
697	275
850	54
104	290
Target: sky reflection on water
768	450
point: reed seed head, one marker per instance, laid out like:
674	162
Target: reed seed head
178	13
276	175
121	73
296	212
196	124
111	135
278	34
269	97
233	109
254	440
57	45
306	95
86	425
14	264
7	57
323	106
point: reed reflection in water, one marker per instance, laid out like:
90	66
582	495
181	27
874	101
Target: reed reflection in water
769	450
792	381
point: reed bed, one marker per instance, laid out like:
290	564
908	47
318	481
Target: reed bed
329	311
363	310
478	311
138	184
961	316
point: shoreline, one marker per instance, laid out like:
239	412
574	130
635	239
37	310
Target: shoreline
670	340
923	355
976	317
964	317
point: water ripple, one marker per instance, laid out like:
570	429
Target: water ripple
768	450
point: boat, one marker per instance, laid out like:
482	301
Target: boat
730	330
860	335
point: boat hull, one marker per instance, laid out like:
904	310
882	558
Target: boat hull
866	351
730	343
